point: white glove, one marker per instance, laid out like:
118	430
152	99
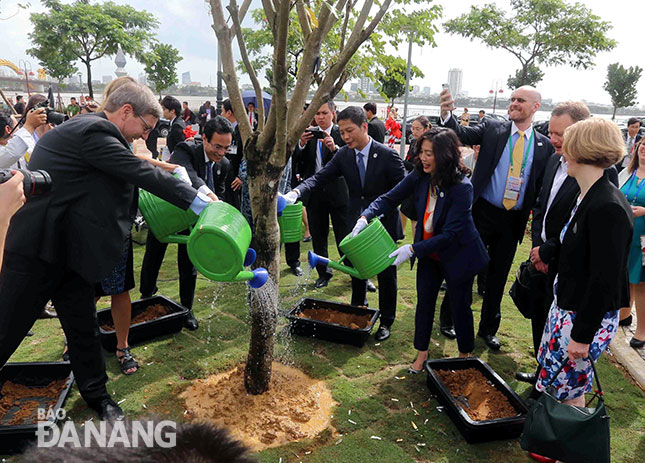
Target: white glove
182	174
291	197
402	254
360	224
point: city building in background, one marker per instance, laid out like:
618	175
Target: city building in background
454	80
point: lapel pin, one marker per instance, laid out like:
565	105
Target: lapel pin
575	227
374	155
441	194
539	143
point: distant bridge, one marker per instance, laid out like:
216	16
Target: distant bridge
39	84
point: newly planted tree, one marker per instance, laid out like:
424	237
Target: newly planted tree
621	85
268	149
161	66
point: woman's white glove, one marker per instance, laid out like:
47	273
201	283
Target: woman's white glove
402	254
182	174
291	197
360	225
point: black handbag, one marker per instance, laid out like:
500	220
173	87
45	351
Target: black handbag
520	291
567	433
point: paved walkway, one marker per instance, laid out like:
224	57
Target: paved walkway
632	359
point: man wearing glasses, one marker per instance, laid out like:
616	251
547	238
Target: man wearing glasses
60	244
207	168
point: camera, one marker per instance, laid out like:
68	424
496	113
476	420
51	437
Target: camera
53	117
36	182
317	132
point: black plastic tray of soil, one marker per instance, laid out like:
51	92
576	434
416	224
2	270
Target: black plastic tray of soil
331	331
141	332
476	431
14	438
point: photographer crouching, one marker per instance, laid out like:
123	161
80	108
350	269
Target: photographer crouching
58	245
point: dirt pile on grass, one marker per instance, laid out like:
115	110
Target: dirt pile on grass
295	407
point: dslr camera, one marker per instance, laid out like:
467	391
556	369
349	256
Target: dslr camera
36	182
53	117
317	132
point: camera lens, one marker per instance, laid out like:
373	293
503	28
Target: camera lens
37	182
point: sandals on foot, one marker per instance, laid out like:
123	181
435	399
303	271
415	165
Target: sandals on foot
66	352
127	361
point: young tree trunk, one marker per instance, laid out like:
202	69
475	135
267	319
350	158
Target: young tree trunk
264	180
90	90
613	116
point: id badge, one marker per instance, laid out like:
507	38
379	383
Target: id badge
513	187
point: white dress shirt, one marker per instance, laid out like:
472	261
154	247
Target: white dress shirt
12	154
560	176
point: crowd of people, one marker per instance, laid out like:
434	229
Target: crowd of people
468	214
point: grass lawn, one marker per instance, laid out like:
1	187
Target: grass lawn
361	379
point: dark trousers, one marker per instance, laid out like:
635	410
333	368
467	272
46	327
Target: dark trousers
26	284
386	294
152	260
497	230
430	274
292	254
319	210
234	198
151	143
541	299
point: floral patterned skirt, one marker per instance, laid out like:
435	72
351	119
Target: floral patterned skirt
576	378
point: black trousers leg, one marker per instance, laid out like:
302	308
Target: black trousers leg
541	299
319	228
152	260
429	278
445	313
461	298
292	253
187	277
387	290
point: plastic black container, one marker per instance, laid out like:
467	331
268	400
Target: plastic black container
476	431
141	332
14	438
330	331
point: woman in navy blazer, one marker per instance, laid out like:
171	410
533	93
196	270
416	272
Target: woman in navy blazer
446	242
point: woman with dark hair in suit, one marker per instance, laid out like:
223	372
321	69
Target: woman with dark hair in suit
592	264
446	242
420	126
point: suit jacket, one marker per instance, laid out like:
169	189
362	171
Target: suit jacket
493	135
376	129
86	218
202	114
592	265
176	133
455	239
559	212
235	157
304	163
384	172
190	154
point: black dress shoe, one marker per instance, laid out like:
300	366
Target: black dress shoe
322	282
191	322
636	343
370	287
46	314
382	333
296	270
525	377
626	321
306	239
491	341
448	331
108	410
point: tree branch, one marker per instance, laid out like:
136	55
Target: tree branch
225	49
237	27
303	18
269	12
244	9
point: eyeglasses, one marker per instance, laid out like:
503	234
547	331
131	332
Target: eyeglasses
148	129
219	148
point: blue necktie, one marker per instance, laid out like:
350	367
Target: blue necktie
361	167
209	176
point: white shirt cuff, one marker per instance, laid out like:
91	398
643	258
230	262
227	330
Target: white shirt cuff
204	190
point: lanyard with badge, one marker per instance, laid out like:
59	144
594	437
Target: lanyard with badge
514	184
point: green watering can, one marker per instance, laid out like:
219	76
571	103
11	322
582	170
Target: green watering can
368	251
290	221
218	244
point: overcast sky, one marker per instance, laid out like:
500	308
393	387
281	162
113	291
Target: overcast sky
186	25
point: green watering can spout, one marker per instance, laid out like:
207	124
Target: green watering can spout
314	259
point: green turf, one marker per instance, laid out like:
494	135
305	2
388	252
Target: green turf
362	380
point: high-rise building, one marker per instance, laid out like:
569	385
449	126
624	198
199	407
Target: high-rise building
185	78
364	84
416	89
426	90
454	80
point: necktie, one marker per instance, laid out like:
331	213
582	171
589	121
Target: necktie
516	169
630	145
209	176
319	156
361	167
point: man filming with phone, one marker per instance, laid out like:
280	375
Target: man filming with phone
315	149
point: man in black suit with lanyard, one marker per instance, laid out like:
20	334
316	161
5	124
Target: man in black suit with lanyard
312	153
370	170
59	245
506	181
551	212
375	126
171	111
208	169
